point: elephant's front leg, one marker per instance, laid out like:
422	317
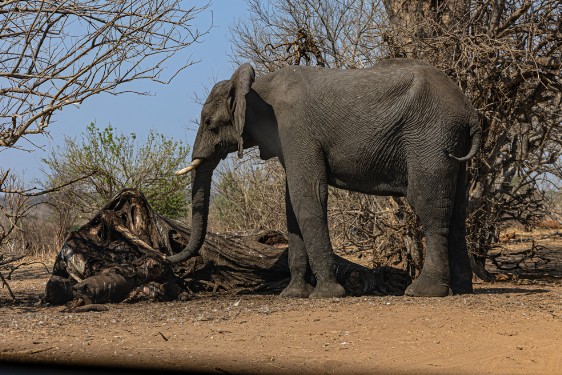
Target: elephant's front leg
309	194
298	287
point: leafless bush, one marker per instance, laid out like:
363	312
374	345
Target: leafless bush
248	196
43	232
27	225
386	227
13	208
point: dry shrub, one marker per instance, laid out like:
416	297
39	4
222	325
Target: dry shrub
14	208
43	232
39	234
386	227
248	195
28	224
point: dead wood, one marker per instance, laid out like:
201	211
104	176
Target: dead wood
5	283
7	263
119	255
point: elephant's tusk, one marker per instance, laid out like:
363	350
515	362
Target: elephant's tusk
194	164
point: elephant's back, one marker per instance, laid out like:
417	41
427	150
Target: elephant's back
390	81
375	104
384	72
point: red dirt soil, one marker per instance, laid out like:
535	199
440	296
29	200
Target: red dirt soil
504	328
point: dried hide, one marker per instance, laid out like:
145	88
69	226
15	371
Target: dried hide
119	256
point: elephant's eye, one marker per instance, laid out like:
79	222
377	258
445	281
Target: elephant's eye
207	121
213	127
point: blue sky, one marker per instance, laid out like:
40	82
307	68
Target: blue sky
170	110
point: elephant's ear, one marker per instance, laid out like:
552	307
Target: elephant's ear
241	82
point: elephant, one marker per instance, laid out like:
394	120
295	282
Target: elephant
398	128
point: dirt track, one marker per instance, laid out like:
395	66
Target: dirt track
504	328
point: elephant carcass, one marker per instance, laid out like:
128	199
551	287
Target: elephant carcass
120	256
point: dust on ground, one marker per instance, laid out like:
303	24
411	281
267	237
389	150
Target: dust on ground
510	327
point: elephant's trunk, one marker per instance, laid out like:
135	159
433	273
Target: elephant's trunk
200	193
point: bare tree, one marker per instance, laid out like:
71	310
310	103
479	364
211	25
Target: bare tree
59	53
340	34
505	55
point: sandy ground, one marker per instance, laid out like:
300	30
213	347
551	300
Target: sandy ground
504	328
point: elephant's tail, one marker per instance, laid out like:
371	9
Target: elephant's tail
476	140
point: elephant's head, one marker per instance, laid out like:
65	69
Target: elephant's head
220	132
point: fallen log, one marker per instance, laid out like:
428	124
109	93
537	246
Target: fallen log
120	256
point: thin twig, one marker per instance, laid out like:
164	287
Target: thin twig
25	193
8	287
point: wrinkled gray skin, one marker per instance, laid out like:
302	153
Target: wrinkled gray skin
400	128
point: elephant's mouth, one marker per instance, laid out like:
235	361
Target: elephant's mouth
224	148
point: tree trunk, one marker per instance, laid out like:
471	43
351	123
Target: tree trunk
419	19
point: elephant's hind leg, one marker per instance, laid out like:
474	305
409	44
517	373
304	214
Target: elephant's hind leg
298	287
459	262
431	192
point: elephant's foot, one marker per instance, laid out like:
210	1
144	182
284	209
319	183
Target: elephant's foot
300	289
461	277
425	286
462	287
328	289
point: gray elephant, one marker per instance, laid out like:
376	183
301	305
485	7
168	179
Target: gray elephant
400	128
